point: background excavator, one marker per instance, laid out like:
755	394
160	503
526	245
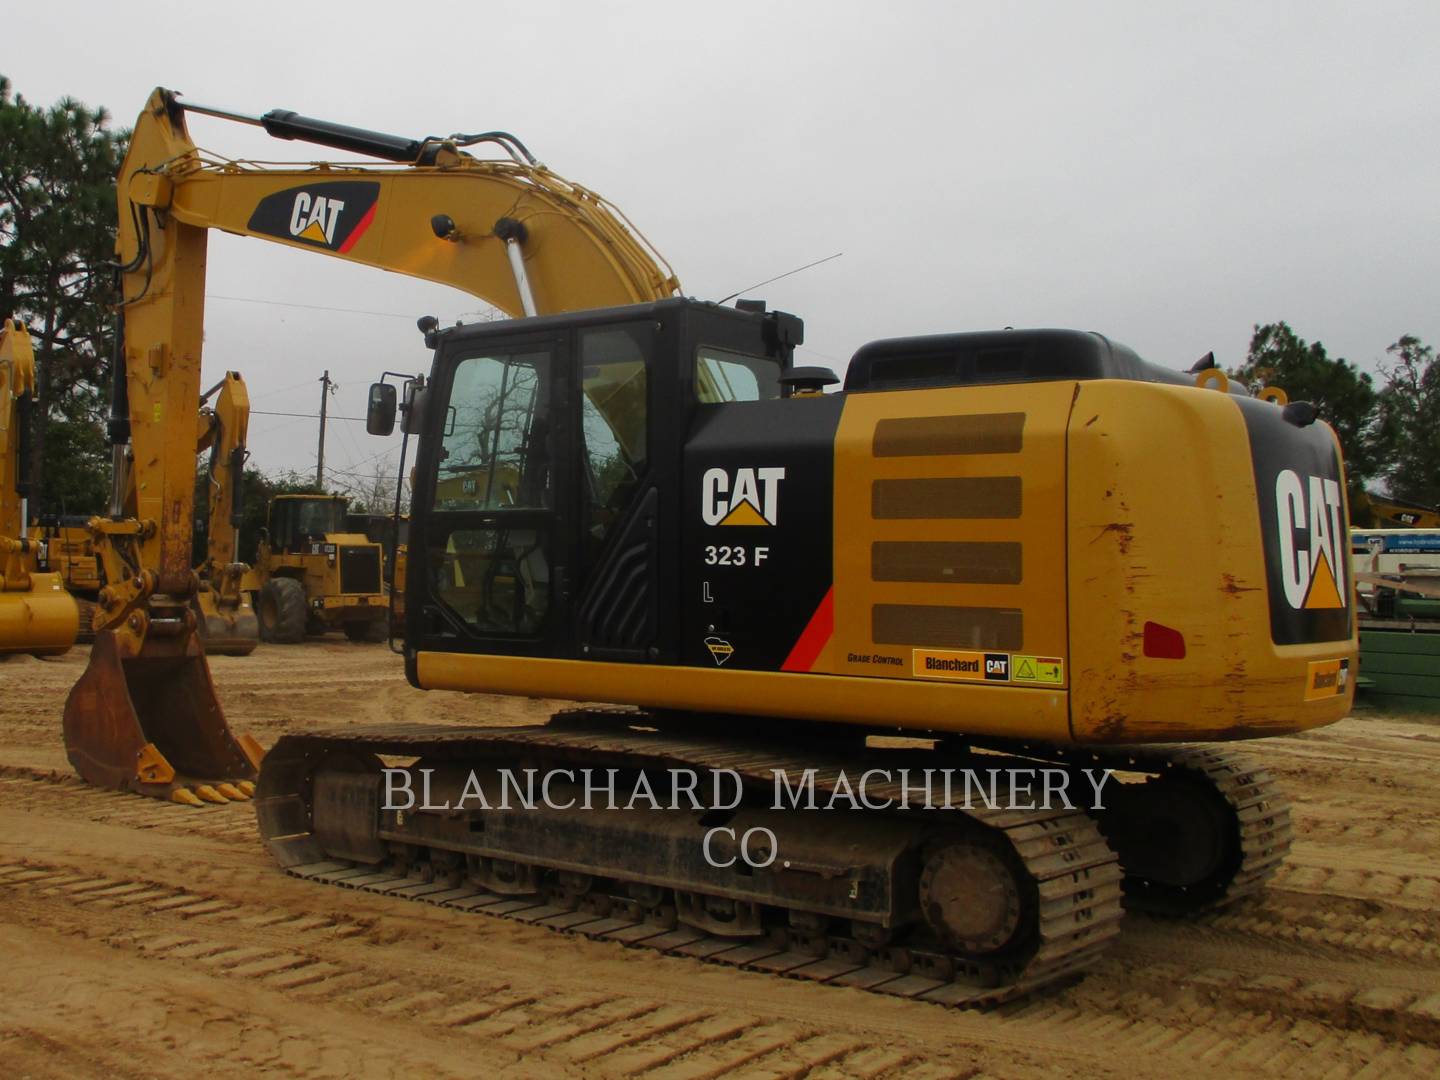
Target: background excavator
37	615
226	618
1023	550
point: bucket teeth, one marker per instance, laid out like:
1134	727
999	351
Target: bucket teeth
231	792
247	788
185	796
209	794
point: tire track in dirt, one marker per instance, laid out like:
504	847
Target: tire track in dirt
627	1035
621	1034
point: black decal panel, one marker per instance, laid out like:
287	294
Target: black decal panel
1300	489
332	215
757	509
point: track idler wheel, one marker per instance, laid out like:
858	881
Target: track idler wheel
151	724
979	902
1178	842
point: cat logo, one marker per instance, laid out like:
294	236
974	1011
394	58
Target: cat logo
332	214
1312	541
752	497
313	218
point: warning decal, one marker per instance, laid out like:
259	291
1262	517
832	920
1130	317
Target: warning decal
1045	670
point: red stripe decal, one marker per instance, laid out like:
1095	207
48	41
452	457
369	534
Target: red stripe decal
816	636
359	229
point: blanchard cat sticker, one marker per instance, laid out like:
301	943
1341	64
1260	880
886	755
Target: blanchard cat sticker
332	215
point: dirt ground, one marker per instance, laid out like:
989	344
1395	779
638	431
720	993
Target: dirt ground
140	939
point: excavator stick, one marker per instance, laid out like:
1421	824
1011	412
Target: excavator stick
151	724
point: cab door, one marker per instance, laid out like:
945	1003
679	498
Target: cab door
493	488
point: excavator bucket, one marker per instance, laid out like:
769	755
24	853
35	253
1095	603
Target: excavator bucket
42	620
151	724
226	631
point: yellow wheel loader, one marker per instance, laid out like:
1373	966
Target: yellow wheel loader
818	618
312	574
37	615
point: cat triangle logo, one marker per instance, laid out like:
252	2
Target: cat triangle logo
315	232
748	496
1323	593
744	514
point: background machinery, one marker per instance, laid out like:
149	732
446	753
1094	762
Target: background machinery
314	573
1027	550
37	615
1377	511
1397	574
225	616
70	552
392	533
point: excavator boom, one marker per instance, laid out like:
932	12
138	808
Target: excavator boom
144	715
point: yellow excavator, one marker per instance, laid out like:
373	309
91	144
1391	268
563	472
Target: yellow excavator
37	615
833	623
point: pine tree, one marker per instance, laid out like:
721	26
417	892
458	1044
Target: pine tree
57	240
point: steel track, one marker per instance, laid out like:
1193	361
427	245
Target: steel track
1075	873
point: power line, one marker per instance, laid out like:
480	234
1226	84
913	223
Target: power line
311	307
306	415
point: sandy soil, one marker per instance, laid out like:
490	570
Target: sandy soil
142	939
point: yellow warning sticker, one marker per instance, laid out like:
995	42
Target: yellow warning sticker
1047	670
1326	679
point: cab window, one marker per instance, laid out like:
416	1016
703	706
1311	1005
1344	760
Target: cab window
495	450
722	375
613	418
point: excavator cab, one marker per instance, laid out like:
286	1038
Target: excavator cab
297	521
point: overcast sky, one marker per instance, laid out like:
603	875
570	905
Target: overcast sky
1168	174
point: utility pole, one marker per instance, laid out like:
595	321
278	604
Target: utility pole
325	385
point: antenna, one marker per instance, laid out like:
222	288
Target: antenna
777	277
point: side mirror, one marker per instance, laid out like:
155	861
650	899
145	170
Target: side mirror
380	411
